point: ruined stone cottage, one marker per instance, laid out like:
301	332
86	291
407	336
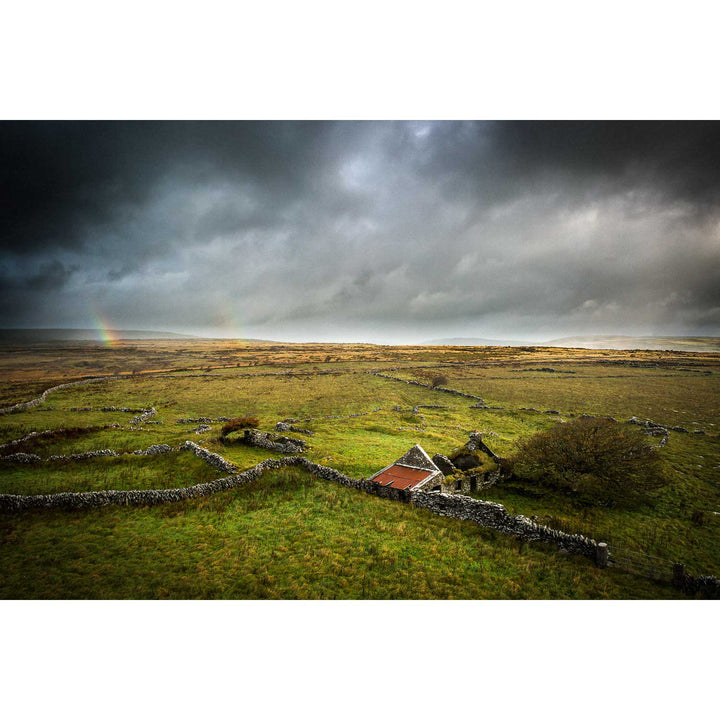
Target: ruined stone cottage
413	471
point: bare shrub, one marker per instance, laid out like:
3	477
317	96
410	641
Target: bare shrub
239	423
439	381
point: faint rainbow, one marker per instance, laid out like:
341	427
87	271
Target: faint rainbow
106	334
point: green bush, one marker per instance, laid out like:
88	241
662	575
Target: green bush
595	459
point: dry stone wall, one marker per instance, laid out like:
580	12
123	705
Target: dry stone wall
211	458
57	432
276	443
706	585
33	458
144	417
19	407
460	507
283	426
449	391
21	457
484	513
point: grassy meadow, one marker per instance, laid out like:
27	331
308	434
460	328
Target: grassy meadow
291	535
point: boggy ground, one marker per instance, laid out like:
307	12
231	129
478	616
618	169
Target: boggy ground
360	422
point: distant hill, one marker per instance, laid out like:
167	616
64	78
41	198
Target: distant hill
599	342
476	341
25	336
630	342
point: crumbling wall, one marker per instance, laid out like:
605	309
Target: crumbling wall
486	514
449	391
18	407
276	443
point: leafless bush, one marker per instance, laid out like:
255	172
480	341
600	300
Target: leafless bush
239	423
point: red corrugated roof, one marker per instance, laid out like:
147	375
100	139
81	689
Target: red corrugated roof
402	478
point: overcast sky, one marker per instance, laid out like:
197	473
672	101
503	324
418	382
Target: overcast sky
367	231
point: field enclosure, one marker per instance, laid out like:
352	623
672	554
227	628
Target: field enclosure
292	536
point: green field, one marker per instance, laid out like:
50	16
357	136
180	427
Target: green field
290	535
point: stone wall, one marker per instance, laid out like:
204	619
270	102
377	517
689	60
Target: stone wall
57	432
460	507
450	391
77	501
144	417
211	458
706	585
486	514
19	407
276	443
283	426
495	516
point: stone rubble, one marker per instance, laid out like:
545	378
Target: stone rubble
276	443
144	417
287	427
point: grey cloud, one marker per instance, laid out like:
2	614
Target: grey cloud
396	231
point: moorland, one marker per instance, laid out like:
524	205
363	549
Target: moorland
291	535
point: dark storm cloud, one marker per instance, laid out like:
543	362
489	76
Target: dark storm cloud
379	230
59	177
